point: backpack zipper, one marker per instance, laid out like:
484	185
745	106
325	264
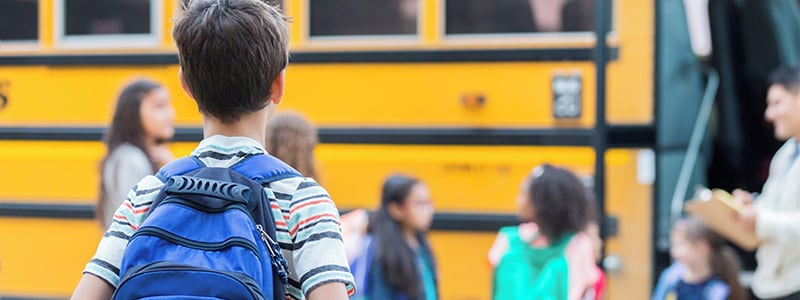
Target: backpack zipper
208	246
177	200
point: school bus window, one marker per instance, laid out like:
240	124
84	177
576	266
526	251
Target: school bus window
108	17
362	17
518	16
19	20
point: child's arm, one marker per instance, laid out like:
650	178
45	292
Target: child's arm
102	272
499	248
318	256
332	291
581	265
92	287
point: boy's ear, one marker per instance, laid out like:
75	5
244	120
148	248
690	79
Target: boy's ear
277	87
184	86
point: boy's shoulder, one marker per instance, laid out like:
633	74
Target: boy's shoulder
296	188
147	188
290	184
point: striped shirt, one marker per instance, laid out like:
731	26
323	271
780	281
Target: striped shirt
306	221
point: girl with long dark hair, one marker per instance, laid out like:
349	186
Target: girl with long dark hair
400	263
135	143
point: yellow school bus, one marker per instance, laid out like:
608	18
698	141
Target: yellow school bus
467	95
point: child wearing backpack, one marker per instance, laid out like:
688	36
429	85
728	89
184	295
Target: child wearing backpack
549	256
705	267
232	55
397	262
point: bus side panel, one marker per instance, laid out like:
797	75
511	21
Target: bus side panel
516	94
630	201
411	94
462	259
82	95
55	172
63	172
482	179
44	257
630	78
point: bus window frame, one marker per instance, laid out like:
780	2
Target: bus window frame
580	39
108	41
572	38
25	44
358	40
544	39
12	46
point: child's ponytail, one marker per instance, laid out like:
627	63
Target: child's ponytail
725	263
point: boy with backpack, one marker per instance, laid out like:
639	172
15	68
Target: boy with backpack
233	54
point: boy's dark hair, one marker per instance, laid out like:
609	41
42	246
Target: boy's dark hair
787	76
230	51
560	201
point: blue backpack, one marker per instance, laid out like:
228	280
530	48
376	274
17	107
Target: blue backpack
209	234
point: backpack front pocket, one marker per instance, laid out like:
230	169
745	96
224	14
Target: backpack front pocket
177	281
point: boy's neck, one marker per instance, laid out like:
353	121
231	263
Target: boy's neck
252	126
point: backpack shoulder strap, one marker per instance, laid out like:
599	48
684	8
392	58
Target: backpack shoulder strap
262	168
179	166
265	168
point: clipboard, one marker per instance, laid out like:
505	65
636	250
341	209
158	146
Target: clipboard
719	210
